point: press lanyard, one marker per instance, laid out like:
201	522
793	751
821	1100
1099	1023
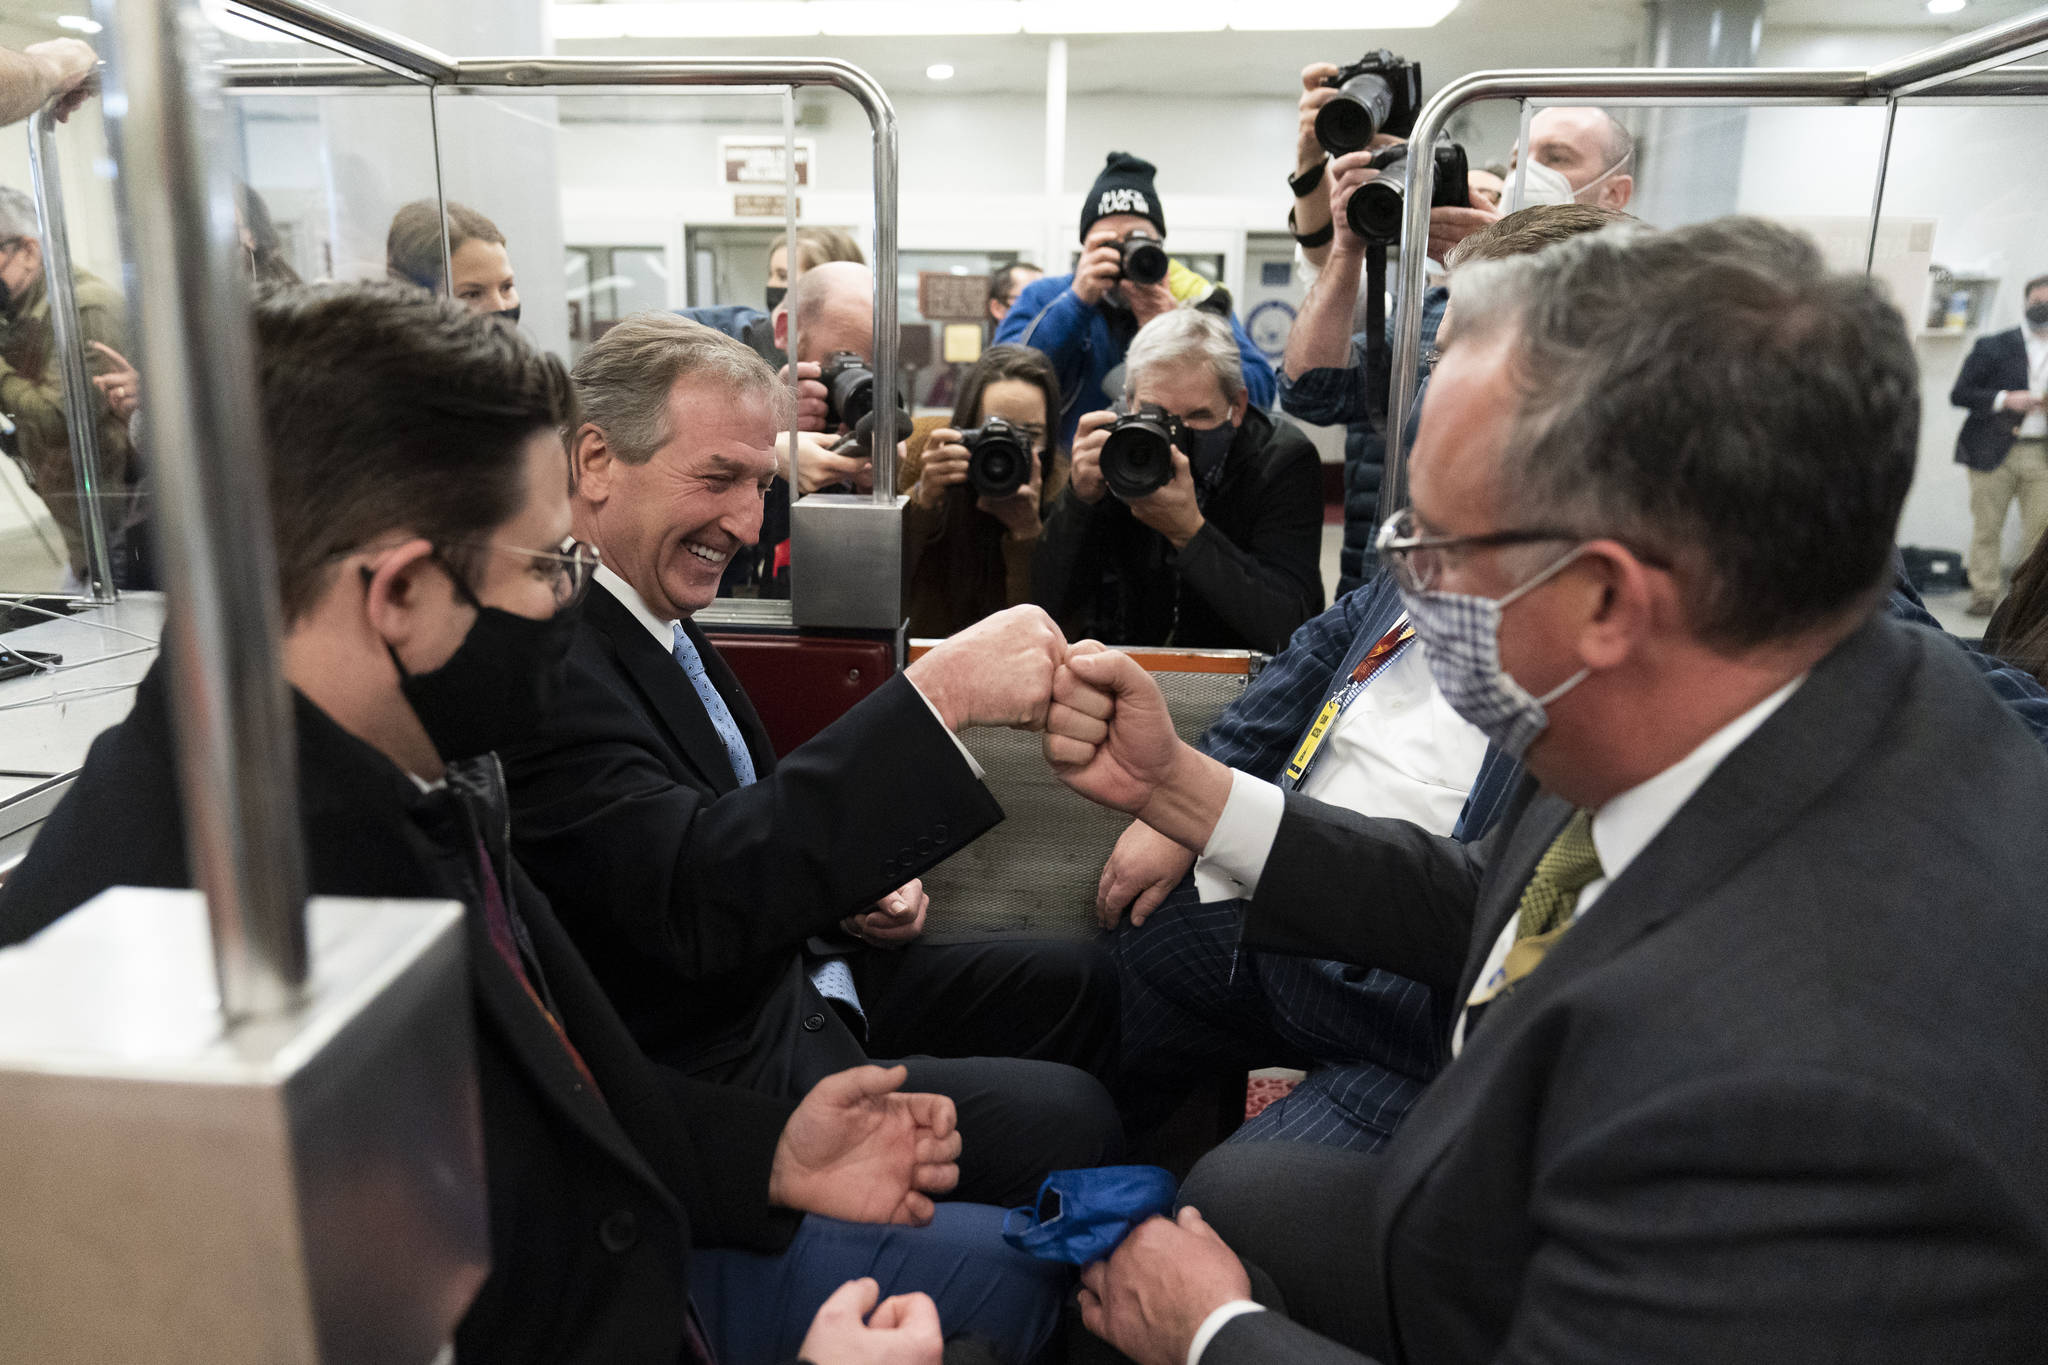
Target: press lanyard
1375	659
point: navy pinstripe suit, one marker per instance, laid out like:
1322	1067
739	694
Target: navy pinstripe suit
1193	1005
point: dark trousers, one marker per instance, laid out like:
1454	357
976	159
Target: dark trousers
756	1308
1014	1031
1195	1005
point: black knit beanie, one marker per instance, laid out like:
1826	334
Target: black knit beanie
1125	186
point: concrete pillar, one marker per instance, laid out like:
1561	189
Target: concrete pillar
1689	161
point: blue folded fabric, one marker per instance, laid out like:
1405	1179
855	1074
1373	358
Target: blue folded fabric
1082	1216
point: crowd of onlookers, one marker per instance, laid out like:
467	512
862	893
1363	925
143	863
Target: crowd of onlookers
1639	875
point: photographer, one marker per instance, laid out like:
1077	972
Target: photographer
1224	554
971	549
1084	322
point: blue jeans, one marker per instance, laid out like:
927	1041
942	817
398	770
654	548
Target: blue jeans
756	1309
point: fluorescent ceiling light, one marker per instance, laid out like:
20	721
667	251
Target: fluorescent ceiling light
940	71
77	23
770	19
1945	6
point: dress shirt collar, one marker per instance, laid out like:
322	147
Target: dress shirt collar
629	598
1625	825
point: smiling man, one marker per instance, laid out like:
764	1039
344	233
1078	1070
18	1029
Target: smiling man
755	920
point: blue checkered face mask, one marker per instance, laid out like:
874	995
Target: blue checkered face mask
1461	637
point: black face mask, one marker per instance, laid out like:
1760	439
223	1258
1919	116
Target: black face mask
2037	314
6	298
776	294
510	315
498	684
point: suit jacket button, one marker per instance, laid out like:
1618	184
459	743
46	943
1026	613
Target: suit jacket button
619	1230
813	1022
925	847
939	831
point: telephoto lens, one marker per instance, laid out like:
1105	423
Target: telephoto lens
998	458
1144	258
1376	207
849	389
1138	457
1349	122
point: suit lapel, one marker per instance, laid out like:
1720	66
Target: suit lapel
665	688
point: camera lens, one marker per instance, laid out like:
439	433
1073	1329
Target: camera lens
1349	122
1137	457
852	395
1144	260
1375	209
998	464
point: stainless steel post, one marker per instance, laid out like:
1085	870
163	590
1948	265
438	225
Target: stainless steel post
81	400
236	746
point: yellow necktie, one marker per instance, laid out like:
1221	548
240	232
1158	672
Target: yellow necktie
1567	867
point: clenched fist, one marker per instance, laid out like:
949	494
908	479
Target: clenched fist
996	672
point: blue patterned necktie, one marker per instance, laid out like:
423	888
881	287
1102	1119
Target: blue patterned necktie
832	977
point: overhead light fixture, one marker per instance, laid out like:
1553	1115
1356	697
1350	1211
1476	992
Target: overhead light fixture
939	71
770	19
1945	6
77	23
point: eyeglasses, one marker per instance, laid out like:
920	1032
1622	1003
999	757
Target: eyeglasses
1418	561
568	567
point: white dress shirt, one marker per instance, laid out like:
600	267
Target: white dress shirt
664	633
1397	750
2035	424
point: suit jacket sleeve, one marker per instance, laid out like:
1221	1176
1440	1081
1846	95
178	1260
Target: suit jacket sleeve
701	883
1751	1216
1273	582
1272	1338
1371	891
734	1133
1977	386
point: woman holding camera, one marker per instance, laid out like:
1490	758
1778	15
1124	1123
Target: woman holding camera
971	550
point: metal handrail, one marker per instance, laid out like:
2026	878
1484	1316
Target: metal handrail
81	399
1625	86
237	759
333	29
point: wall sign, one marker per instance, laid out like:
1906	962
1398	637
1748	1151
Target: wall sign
758	160
764	206
945	297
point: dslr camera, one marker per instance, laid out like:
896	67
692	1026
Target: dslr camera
1376	207
849	390
1144	258
1137	458
998	458
1379	93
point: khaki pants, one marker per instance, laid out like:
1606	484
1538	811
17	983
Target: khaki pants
2024	475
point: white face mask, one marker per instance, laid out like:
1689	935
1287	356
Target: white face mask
1542	184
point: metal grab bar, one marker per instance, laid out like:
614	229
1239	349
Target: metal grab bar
237	755
331	28
1625	86
81	399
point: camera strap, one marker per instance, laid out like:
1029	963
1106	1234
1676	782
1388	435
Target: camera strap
1379	364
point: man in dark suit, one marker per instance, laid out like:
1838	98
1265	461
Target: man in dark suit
1745	990
757	920
2004	441
420	508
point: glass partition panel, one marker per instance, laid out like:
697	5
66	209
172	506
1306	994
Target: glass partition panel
1960	235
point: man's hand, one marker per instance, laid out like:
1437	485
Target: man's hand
851	1330
1346	174
67	67
820	464
1151	1296
945	465
1449	226
897	919
812	402
2020	400
1084	474
1145	864
1314	95
1149	301
121	384
1100	267
858	1151
998	671
1170	508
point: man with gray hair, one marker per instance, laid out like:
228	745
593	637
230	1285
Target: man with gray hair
757	919
1217	545
31	384
1744	992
